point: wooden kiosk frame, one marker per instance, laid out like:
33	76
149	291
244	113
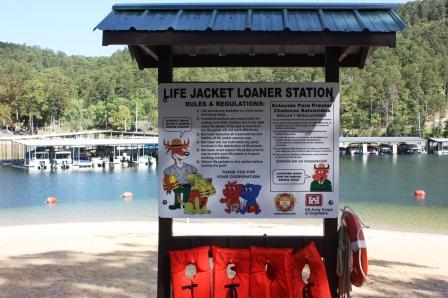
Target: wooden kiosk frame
179	43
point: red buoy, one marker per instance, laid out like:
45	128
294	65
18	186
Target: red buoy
127	196
420	194
51	200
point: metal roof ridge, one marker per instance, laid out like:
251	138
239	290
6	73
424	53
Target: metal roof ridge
259	5
397	19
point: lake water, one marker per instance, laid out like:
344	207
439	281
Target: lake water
379	188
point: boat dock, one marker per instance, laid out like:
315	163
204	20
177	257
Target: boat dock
378	145
438	146
78	153
8	152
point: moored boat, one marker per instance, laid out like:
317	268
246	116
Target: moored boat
62	160
40	161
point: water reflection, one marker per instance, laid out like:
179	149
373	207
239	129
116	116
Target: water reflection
365	157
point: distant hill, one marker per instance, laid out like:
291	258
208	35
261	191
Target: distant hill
397	89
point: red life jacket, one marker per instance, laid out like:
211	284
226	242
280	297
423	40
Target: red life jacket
199	285
194	193
317	286
238	286
270	272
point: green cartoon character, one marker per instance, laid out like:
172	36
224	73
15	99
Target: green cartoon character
201	189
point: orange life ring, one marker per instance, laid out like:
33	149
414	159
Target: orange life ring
359	249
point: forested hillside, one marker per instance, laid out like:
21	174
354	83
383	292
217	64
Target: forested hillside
397	89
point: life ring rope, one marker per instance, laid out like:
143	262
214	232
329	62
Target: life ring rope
355	214
352	252
362	270
344	263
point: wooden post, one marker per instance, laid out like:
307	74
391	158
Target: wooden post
331	224
165	75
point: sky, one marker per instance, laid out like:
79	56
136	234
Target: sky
67	25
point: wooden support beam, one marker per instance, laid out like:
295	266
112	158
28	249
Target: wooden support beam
138	56
165	75
165	245
345	51
253	61
148	50
365	53
331	224
325	38
332	55
165	65
296	242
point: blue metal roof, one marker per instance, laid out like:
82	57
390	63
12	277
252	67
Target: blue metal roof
297	17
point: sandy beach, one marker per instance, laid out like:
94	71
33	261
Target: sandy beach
119	259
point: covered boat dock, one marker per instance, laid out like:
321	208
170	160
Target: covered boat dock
438	146
344	142
84	152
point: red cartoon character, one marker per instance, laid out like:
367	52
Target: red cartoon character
320	182
232	192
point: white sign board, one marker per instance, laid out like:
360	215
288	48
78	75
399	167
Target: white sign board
248	150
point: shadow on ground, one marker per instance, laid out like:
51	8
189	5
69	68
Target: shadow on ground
392	279
128	274
77	274
394	264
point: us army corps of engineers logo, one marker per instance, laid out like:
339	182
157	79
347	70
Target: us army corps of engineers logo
314	200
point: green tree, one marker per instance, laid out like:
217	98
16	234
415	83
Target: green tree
121	118
33	99
5	114
398	127
57	88
445	131
76	116
12	80
397	88
437	130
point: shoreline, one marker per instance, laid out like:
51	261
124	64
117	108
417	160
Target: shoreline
119	259
251	221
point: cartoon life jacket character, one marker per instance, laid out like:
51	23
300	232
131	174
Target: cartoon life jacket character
201	189
320	182
249	195
175	176
232	192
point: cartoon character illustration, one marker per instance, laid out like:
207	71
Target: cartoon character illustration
175	176
320	182
232	192
285	202
249	195
201	189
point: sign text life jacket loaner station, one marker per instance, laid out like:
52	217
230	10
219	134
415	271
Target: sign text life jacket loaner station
249	150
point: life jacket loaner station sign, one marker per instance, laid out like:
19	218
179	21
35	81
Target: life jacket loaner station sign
248	150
